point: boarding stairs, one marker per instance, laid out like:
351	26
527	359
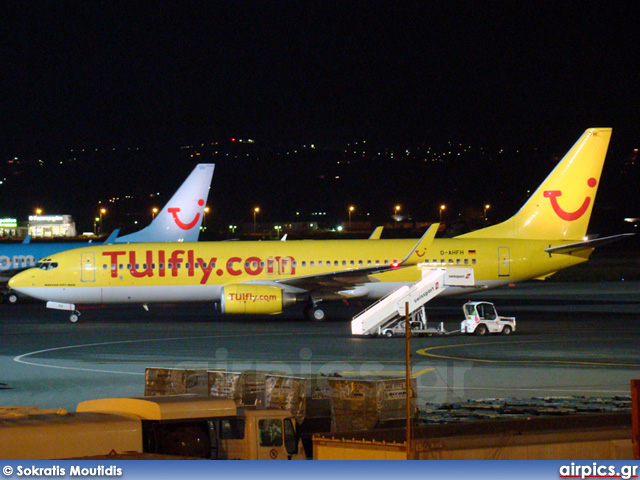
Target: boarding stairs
387	310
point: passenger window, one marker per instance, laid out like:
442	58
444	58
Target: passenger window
304	263
270	431
336	263
473	261
344	263
359	262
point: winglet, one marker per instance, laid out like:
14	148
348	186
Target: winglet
27	239
111	239
181	218
418	252
376	234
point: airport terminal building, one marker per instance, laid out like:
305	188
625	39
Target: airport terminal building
51	226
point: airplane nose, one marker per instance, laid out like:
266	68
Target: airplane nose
19	280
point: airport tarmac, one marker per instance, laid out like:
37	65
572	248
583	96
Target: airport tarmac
572	339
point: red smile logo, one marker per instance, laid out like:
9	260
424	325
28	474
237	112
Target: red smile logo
185	226
424	250
553	195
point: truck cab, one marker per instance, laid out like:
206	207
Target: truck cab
482	318
188	426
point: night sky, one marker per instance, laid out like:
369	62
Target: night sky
112	72
130	73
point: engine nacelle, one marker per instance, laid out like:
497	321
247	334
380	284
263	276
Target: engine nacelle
245	298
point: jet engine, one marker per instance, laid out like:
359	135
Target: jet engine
257	299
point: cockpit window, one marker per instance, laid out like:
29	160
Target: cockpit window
46	265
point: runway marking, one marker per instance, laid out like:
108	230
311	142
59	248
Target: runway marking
574	390
20	358
424	352
383	372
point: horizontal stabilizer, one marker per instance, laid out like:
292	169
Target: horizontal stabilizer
586	245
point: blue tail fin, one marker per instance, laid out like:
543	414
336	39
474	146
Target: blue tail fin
181	217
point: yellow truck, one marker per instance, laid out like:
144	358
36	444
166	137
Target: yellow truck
183	426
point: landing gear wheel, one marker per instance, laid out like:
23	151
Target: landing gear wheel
481	329
13	298
315	314
388	334
73	318
507	330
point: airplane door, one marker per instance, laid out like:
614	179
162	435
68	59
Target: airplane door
504	262
88	272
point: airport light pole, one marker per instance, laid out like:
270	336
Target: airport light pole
396	210
442	208
154	212
102	212
255	212
408	389
486	207
351	209
204	220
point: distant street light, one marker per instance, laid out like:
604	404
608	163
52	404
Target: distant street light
486	207
351	209
204	219
255	212
396	210
102	212
154	212
442	208
38	211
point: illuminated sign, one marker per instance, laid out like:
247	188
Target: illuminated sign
8	223
46	218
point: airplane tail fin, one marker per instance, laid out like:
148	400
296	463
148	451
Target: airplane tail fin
561	207
181	217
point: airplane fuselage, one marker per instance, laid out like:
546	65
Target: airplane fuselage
147	273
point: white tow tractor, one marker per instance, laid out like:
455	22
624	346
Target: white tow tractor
482	318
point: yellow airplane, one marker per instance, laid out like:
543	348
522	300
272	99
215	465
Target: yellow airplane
546	235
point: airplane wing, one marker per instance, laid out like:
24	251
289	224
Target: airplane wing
333	282
587	244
